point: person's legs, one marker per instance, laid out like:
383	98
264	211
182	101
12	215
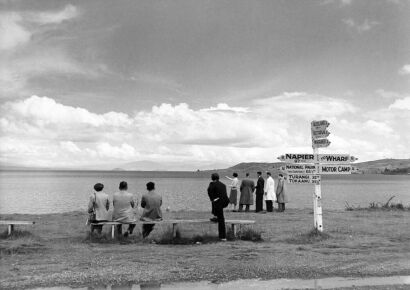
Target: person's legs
247	208
119	229
269	205
283	206
131	228
221	223
259	203
240	207
147	229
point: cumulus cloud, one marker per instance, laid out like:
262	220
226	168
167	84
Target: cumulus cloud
405	70
401	104
40	129
360	28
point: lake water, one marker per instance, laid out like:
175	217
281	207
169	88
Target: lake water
40	192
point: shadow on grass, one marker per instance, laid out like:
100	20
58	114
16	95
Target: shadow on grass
313	236
19	242
168	238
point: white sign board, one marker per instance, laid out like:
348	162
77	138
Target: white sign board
335	169
320	143
299	169
303	178
297	158
335	158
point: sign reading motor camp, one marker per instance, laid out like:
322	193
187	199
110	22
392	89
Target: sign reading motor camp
319	134
303	178
320	143
335	169
299	169
335	158
297	158
319	125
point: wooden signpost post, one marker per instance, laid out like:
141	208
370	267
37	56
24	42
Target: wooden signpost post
308	168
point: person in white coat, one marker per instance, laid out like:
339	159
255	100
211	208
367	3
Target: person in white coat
270	195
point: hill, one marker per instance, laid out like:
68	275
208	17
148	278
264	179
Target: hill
387	166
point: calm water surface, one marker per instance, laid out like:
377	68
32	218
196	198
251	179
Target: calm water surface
62	191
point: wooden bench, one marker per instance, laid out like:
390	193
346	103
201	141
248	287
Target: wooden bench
175	223
10	224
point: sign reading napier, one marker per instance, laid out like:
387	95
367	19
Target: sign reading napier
335	158
303	178
297	158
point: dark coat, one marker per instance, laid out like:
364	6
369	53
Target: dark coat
217	189
260	186
247	188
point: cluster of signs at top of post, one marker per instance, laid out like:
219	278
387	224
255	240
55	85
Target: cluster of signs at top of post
319	134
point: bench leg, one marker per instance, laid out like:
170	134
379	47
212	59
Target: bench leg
233	227
112	231
174	230
10	229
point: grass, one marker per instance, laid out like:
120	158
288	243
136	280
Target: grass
353	244
379	206
311	237
19	242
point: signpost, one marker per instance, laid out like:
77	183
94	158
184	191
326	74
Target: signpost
307	168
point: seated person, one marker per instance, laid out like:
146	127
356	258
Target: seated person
151	202
99	204
124	203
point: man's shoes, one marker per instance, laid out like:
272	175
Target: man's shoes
126	234
223	240
214	219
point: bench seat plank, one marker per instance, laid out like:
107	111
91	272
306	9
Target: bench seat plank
6	222
175	222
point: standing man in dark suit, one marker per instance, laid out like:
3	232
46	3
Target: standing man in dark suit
260	191
219	199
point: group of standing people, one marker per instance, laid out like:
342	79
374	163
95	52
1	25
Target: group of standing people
219	199
268	191
124	203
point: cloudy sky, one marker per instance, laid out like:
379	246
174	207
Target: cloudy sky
199	83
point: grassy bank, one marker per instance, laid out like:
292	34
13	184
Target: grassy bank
58	250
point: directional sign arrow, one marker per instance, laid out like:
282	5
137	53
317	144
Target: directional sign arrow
335	169
300	169
320	143
303	178
320	123
318	134
297	158
334	158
